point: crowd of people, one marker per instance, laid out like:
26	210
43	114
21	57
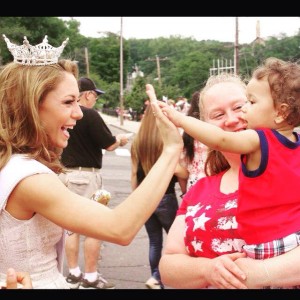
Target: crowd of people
234	153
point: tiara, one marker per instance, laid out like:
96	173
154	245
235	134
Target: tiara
39	55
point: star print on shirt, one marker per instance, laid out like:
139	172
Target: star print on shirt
197	245
191	210
225	223
231	204
200	222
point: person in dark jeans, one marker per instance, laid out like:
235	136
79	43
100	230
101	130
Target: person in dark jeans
145	150
162	218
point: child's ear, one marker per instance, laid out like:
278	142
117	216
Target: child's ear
282	113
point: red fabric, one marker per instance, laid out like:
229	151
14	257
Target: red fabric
211	228
269	203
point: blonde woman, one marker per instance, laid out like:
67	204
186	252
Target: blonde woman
145	150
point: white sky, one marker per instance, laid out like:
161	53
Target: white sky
201	28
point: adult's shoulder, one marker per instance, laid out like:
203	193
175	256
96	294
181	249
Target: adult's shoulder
17	168
90	113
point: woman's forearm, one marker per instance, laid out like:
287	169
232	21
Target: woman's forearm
284	270
280	271
182	271
141	203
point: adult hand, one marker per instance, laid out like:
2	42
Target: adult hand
170	134
122	138
224	273
14	278
167	110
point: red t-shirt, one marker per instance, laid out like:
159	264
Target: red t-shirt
269	198
211	227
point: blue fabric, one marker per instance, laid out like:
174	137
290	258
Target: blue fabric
160	220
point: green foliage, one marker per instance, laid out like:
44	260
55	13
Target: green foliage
136	97
35	28
104	57
183	63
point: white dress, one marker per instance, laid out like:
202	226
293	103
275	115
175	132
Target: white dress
35	245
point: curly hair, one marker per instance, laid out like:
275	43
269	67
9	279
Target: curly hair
284	81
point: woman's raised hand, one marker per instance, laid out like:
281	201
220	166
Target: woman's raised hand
170	134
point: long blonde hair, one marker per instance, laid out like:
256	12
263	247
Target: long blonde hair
22	90
147	144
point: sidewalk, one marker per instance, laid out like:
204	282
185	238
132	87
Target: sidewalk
128	126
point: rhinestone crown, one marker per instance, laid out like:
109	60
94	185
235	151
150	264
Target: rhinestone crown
39	55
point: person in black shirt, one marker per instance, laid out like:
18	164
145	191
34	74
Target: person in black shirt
83	161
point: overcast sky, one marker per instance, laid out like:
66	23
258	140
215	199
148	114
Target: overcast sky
201	28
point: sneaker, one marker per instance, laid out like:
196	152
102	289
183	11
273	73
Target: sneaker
74	281
100	283
153	284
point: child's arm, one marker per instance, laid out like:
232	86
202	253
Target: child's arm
242	142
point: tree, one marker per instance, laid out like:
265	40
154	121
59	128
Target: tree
35	28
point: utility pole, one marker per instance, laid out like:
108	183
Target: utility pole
87	62
236	47
121	76
157	59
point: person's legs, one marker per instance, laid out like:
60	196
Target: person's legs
72	250
91	254
166	211
72	254
85	183
154	231
92	279
162	218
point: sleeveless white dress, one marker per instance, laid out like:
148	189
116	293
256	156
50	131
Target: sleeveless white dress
35	245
